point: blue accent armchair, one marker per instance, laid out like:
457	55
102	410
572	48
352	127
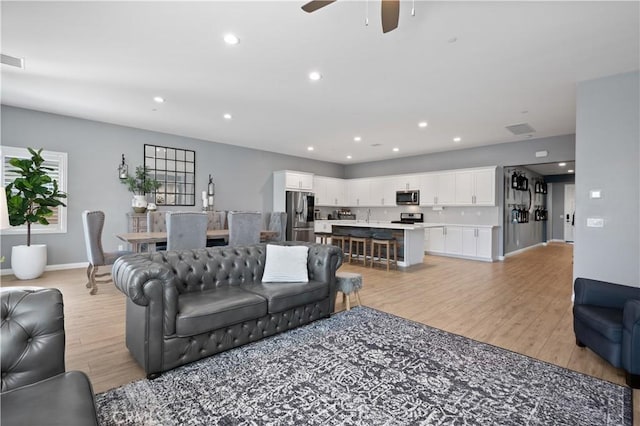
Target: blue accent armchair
606	319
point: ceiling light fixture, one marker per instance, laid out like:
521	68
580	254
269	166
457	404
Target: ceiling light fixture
562	164
315	76
357	139
457	139
570	170
158	99
396	149
231	39
423	124
349	157
309	148
227	116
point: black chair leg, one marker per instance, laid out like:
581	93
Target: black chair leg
579	343
633	380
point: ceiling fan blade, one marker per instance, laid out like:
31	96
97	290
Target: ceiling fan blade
314	5
390	13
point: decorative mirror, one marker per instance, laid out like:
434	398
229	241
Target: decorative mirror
175	169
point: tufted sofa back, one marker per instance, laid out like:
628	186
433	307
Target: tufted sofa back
200	270
32	335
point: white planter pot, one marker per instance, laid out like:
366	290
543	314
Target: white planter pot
28	262
139	203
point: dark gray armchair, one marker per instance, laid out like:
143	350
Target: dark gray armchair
606	319
36	390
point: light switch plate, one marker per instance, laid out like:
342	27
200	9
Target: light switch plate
595	193
595	222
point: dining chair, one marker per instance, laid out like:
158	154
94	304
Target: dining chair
157	222
186	230
278	223
93	223
244	228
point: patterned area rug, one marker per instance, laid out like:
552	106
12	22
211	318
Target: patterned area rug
370	368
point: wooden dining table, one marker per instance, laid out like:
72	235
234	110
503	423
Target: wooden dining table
136	239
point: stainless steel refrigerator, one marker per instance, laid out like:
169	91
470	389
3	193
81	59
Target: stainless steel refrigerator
300	216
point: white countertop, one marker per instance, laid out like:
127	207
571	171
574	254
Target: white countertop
389	225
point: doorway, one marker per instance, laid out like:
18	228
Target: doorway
569	211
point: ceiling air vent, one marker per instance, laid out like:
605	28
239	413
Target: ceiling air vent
521	129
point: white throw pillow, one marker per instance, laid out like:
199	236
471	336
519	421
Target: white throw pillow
286	264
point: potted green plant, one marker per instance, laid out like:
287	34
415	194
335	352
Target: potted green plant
140	184
30	199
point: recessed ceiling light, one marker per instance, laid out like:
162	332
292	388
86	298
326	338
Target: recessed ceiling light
570	170
227	116
357	139
452	40
422	124
309	148
158	99
348	157
231	39
457	139
315	76
562	164
396	149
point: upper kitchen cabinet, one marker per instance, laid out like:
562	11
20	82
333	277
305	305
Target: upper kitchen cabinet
437	189
297	181
359	193
406	182
475	187
330	191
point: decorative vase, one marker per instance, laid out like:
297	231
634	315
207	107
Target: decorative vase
139	203
28	262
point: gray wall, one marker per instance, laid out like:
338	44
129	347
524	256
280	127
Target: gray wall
560	148
518	236
608	159
243	176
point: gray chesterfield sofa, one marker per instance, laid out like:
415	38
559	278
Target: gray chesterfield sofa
36	390
186	305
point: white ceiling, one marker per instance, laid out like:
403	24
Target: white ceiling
106	61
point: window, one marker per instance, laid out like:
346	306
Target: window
58	162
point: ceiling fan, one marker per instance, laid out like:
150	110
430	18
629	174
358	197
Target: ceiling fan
390	11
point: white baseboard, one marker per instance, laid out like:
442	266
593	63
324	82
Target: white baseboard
523	249
58	267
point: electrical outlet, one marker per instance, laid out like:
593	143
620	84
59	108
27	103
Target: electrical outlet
595	222
120	247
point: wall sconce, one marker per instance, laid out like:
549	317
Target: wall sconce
123	169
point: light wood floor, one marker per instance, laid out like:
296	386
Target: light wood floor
522	304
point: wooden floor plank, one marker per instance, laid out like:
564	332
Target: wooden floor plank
522	304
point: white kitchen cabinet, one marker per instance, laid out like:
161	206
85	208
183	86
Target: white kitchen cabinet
436	240
477	242
359	192
453	239
475	187
298	181
329	191
437	189
406	182
383	191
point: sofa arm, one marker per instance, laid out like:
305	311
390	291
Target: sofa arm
132	273
631	336
601	293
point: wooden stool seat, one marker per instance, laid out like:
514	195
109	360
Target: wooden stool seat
348	283
388	242
341	241
356	252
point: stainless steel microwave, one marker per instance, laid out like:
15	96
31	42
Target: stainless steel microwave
408	198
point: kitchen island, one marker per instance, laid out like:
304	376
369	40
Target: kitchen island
410	237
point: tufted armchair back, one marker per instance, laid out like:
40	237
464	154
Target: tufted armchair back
217	220
32	335
156	221
186	230
244	228
92	223
278	223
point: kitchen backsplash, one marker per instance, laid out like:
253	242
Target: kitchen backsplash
453	215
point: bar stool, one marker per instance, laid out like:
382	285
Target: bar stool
384	238
340	237
359	236
323	236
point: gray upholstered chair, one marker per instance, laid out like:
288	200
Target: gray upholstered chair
93	223
278	223
217	219
157	222
36	390
186	230
606	319
244	228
